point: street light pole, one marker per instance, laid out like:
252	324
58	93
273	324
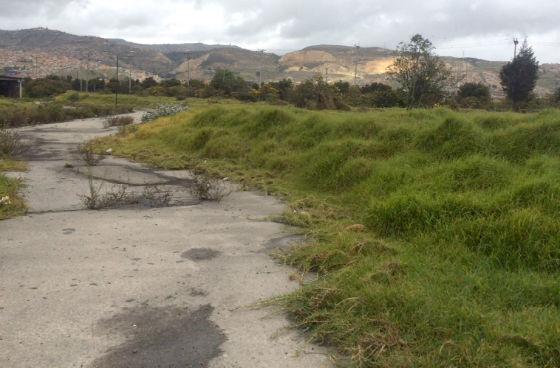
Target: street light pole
118	84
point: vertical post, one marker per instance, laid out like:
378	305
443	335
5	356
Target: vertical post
188	71
356	65
20	88
129	81
118	84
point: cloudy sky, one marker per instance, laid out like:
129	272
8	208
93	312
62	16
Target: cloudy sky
474	28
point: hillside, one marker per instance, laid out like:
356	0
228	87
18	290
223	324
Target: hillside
39	51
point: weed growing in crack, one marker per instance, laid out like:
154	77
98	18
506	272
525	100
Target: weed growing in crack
153	196
11	143
207	188
120	196
91	200
88	155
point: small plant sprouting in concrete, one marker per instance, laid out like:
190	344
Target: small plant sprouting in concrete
91	200
89	156
11	143
120	196
207	188
153	196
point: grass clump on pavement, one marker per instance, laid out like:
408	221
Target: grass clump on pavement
435	234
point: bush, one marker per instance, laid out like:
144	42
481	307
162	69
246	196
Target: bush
474	95
318	95
11	144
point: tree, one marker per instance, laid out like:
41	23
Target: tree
317	94
474	95
519	77
285	88
556	96
421	74
228	83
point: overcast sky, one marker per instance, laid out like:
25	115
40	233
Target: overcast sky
474	28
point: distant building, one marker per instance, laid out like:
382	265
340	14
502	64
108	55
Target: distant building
11	86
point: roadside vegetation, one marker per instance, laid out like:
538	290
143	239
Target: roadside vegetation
434	233
11	203
70	106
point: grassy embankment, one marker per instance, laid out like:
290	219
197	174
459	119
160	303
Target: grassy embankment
459	261
70	106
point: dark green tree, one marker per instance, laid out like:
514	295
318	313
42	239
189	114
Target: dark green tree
475	95
421	74
519	77
228	82
556	96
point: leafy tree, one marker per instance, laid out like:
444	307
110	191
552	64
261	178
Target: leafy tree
342	87
421	74
475	95
285	88
228	83
317	94
149	82
519	77
46	87
556	96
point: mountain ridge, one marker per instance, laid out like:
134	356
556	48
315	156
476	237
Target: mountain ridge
42	51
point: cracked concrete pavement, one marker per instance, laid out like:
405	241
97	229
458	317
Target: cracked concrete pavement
136	286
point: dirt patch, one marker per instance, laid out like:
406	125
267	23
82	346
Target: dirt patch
200	254
162	337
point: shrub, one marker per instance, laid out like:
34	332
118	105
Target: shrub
474	95
209	189
11	143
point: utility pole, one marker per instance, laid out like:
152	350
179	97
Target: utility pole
356	64
130	81
118	84
87	71
188	70
515	43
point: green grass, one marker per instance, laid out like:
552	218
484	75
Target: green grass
70	106
459	262
10	188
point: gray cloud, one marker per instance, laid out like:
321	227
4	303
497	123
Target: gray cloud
475	27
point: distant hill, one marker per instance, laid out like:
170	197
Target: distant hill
41	51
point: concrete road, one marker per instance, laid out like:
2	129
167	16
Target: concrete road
144	284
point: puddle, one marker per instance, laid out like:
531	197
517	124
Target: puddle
200	254
162	337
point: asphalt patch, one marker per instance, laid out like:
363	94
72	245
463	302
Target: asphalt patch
162	337
283	242
200	254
